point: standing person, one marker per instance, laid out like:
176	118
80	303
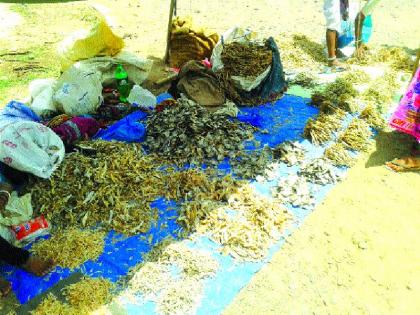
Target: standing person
335	12
17	256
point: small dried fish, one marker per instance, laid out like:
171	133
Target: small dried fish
320	171
338	155
295	190
321	129
372	116
357	135
289	152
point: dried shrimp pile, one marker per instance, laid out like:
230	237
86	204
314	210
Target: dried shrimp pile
245	59
248	226
80	246
82	297
172	276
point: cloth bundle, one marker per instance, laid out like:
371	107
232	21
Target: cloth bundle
189	42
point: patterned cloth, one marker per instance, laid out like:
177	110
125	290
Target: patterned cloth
406	117
76	128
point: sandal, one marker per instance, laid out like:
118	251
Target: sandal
397	166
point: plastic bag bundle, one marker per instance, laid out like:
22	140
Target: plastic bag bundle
30	147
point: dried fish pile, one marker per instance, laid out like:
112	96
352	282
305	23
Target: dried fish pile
82	297
338	94
248	226
298	51
338	155
357	135
188	133
245	59
372	116
113	187
356	77
80	246
321	129
289	152
320	171
173	276
295	191
252	163
381	91
395	57
304	79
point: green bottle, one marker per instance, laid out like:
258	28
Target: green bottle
123	86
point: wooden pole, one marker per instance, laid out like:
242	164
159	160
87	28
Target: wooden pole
168	38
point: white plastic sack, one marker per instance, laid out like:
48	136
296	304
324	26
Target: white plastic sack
142	98
238	35
79	92
30	147
137	68
17	210
42	91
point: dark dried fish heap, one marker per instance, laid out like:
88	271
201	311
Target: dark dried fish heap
190	134
245	59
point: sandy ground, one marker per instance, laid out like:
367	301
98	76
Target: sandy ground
358	252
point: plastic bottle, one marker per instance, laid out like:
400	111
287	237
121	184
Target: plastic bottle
123	85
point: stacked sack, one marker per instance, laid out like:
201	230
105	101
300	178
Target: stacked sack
189	42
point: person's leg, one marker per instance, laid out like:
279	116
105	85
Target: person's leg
21	258
332	15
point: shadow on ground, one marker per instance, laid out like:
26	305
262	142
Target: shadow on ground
389	145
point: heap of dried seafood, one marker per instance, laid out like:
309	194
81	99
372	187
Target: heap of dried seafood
245	59
395	57
289	152
372	116
321	129
295	191
320	171
304	79
173	275
188	133
356	76
357	135
80	246
338	94
338	155
248	226
299	51
82	297
114	187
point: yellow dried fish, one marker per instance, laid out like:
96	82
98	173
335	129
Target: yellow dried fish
357	135
338	155
372	116
80	246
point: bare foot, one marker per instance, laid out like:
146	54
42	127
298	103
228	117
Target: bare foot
5	287
404	164
38	266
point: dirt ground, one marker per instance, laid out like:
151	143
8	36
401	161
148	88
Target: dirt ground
358	252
